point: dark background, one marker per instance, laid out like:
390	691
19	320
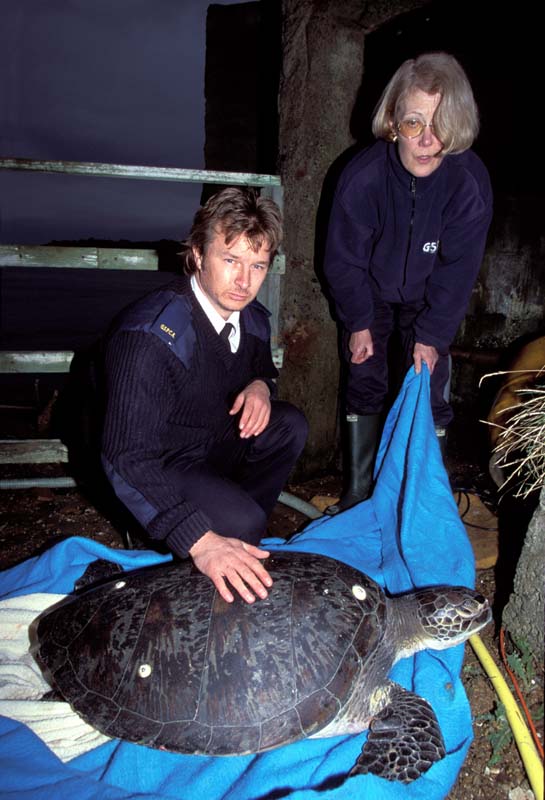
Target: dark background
95	80
119	81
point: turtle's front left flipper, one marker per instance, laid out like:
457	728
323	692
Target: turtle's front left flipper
404	739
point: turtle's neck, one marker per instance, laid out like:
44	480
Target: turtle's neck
404	626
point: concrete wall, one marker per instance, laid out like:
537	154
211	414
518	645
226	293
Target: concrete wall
523	615
323	50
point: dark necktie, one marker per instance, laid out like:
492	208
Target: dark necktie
226	331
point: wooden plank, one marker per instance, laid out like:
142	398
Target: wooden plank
32	451
269	295
99	170
278	266
64	482
19	361
278	356
92	258
77	257
270	291
126	259
276	193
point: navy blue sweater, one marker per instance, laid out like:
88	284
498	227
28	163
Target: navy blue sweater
170	382
408	239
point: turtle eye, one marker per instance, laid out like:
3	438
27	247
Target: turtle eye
472	605
466	610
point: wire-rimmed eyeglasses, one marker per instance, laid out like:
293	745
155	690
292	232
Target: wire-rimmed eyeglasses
411	127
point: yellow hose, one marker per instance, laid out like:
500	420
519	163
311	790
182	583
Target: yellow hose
527	749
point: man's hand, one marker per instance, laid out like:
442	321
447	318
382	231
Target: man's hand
255	402
221	558
425	353
361	346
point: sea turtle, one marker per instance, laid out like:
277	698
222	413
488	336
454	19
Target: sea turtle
157	657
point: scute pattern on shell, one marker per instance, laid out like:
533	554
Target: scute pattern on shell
222	678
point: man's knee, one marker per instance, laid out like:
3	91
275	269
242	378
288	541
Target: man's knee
290	422
243	519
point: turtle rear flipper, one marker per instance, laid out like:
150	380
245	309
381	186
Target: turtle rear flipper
404	739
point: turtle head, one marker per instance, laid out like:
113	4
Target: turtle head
448	615
438	617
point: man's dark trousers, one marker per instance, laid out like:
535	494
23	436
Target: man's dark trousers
239	482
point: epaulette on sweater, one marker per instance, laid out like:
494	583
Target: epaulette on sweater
168	315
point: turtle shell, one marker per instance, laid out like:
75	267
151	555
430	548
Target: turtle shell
157	657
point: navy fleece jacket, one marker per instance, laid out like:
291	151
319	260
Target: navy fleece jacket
406	239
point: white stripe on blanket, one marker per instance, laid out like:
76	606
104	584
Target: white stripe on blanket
22	683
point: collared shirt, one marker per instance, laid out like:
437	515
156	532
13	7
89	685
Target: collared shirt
215	317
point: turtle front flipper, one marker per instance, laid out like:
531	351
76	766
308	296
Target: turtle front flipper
404	739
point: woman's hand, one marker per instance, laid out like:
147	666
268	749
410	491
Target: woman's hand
425	353
361	346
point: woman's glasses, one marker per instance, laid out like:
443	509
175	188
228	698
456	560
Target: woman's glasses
411	127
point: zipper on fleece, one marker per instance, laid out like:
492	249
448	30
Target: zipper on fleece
411	225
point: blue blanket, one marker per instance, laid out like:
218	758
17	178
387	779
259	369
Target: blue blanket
408	534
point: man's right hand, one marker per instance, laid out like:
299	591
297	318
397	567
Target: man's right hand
361	346
221	559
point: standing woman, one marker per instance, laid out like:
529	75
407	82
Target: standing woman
405	243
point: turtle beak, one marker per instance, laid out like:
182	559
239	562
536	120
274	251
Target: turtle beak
476	612
485	616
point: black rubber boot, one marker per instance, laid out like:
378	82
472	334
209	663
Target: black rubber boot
362	439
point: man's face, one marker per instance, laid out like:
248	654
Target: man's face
230	275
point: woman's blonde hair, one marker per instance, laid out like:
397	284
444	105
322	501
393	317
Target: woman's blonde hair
456	120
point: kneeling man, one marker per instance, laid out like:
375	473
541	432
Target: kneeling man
194	443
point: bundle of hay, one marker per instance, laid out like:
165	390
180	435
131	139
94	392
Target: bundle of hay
517	423
520	446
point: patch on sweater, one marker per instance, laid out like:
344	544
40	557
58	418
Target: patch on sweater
173	326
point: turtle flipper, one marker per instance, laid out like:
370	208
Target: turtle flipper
404	739
98	570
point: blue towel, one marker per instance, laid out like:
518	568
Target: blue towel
408	534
